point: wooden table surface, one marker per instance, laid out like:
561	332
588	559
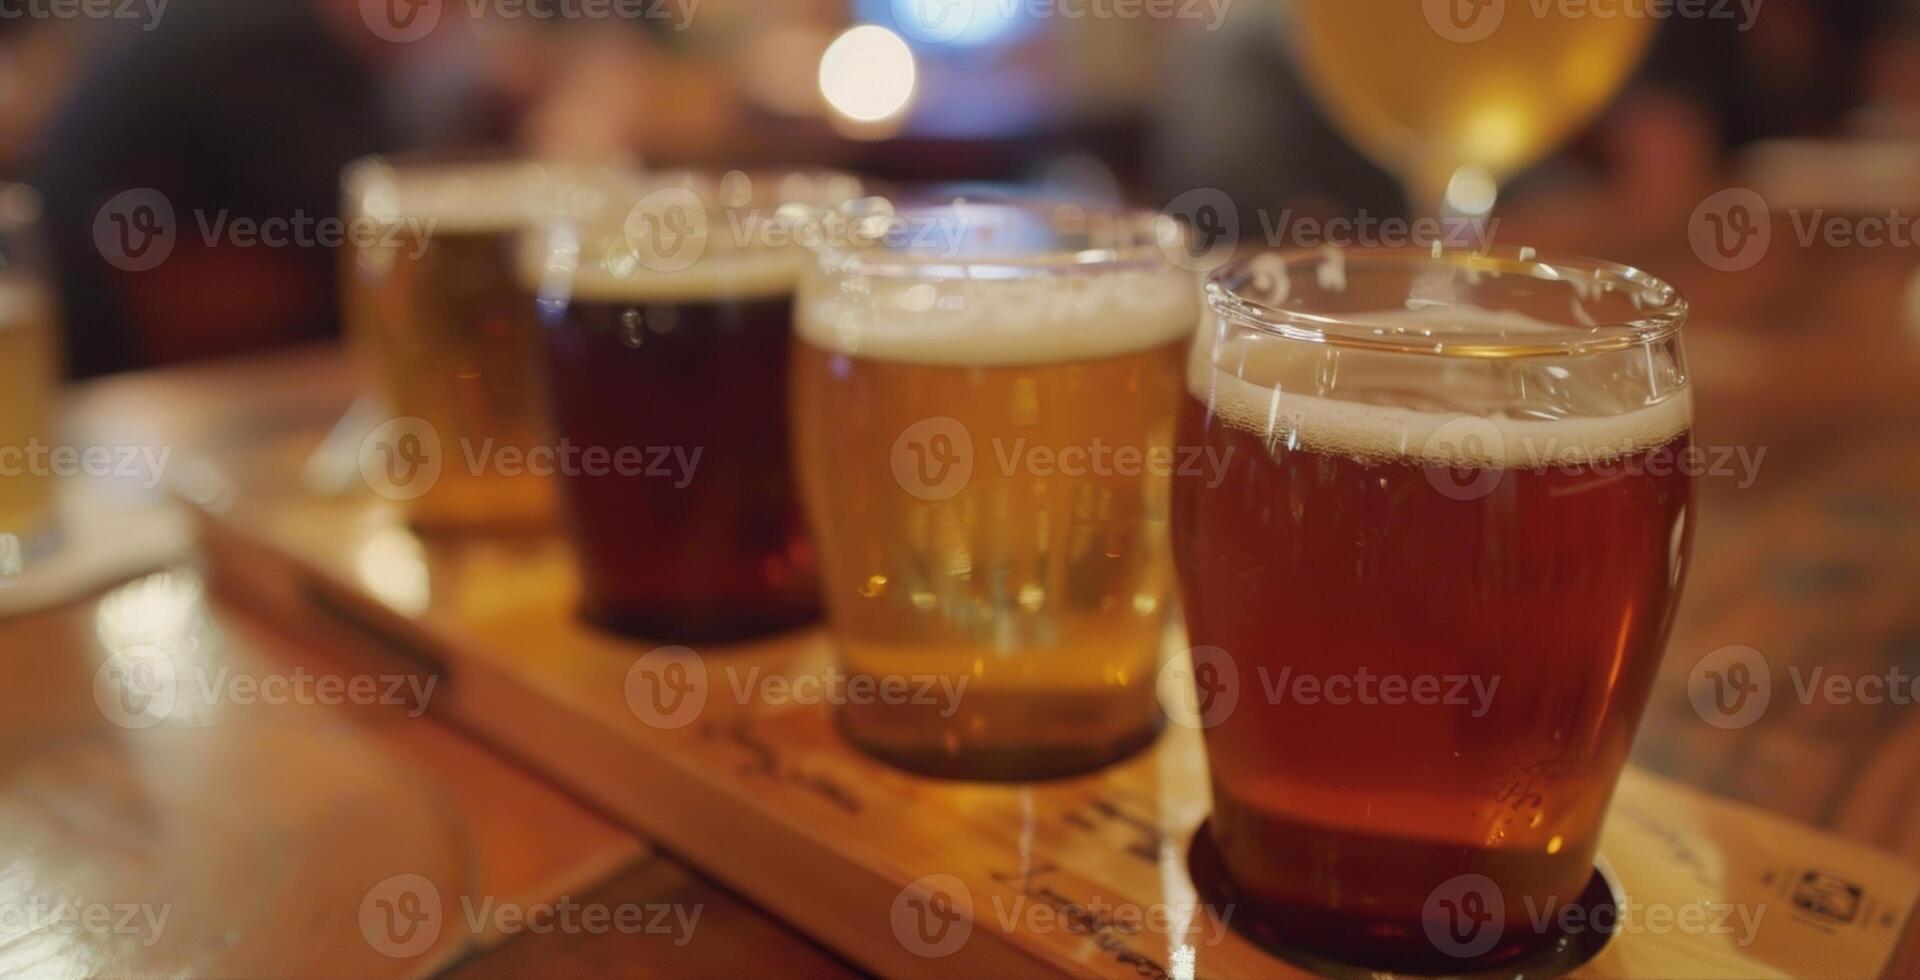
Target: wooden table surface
1807	363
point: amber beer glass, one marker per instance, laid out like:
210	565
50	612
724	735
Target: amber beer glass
29	383
667	319
954	385
1457	475
432	301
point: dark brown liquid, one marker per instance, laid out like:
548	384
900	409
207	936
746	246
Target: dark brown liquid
711	551
1342	819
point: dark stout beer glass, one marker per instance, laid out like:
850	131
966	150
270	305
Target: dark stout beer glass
667	316
1430	596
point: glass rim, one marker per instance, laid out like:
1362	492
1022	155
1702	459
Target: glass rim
728	200
419	162
1131	238
411	185
1662	313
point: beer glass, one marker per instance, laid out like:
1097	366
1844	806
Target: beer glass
666	317
432	302
1428	88
1429	598
29	385
984	398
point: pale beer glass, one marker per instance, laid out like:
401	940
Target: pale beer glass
1457	517
433	304
984	398
1428	87
29	386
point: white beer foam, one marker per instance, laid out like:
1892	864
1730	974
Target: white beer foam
724	274
1247	384
472	198
990	322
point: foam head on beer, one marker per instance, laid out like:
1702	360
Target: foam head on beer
684	236
457	197
999	283
481	196
1432	377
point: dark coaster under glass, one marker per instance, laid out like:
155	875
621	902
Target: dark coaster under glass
1306	944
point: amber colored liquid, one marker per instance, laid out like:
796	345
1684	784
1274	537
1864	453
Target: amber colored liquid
1045	591
29	380
1343	819
453	341
707	547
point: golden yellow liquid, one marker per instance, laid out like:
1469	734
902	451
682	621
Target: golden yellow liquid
29	383
1047	592
1423	103
453	341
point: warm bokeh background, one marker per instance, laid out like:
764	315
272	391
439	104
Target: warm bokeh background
250	108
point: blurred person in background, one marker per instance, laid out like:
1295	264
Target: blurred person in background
228	109
236	111
246	110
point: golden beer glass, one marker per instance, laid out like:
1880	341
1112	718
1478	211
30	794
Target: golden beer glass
433	303
29	386
1428	88
984	405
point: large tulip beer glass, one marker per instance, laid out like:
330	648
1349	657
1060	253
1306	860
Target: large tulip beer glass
1438	577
